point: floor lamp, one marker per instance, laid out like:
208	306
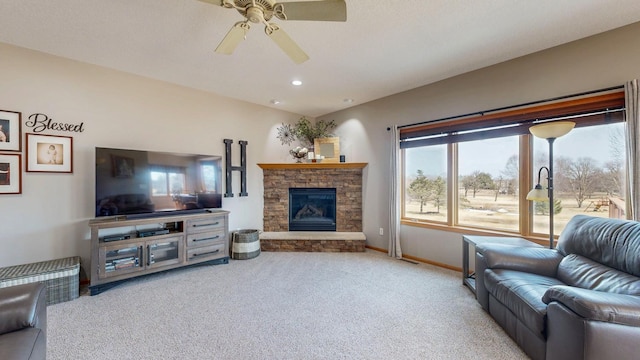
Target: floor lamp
549	131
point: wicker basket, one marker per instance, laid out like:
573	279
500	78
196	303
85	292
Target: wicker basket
245	244
61	277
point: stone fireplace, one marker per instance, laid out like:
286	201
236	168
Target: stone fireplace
345	178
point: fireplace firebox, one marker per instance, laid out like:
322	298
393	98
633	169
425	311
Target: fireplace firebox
312	209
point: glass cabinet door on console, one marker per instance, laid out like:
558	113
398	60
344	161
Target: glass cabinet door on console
120	259
163	252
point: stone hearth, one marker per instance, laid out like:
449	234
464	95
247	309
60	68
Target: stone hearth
346	178
313	241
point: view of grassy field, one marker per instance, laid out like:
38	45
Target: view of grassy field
485	210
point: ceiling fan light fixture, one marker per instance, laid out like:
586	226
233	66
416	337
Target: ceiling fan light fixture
255	14
261	11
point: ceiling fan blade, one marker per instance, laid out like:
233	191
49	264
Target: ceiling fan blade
286	44
328	10
233	38
213	2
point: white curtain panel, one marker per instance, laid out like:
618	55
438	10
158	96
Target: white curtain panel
632	105
394	195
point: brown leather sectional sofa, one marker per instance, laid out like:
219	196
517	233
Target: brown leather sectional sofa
23	322
578	301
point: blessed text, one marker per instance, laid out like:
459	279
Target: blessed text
41	122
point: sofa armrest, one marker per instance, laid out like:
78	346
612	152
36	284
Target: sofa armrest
23	306
597	305
535	260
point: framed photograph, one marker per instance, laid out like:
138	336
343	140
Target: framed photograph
329	148
10	174
48	153
10	135
122	166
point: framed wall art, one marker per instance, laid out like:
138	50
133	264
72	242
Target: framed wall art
49	153
10	135
329	148
10	174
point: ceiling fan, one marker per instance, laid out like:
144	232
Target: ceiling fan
261	11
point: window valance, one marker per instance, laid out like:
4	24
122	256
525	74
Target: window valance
601	108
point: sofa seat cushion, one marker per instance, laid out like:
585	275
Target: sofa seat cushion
579	271
27	343
522	294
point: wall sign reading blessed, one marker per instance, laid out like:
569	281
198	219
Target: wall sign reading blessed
41	122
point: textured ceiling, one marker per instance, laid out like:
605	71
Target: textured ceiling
383	48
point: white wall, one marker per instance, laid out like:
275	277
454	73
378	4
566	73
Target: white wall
602	61
50	218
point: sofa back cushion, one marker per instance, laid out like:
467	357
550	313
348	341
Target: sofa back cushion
611	242
578	271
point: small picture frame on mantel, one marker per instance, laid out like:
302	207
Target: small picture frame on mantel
328	147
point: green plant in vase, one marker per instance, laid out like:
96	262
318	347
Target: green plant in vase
307	132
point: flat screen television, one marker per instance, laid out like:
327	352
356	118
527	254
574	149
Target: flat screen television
138	183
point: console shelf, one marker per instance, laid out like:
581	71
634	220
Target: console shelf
124	249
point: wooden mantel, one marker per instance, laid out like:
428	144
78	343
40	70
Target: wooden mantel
321	165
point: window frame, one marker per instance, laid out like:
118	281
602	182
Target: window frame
594	108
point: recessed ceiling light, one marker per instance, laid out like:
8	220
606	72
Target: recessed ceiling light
296	83
275	102
348	101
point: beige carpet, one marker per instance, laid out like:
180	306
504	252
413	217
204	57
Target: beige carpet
283	306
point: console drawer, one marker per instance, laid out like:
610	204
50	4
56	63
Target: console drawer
208	224
206	252
205	238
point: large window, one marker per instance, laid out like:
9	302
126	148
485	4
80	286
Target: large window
588	174
474	172
426	183
488	175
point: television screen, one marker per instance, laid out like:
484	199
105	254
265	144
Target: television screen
137	182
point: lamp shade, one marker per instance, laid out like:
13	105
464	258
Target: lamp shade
538	194
552	129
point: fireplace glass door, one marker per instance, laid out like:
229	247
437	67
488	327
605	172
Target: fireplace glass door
312	209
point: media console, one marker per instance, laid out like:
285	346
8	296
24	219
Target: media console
125	248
